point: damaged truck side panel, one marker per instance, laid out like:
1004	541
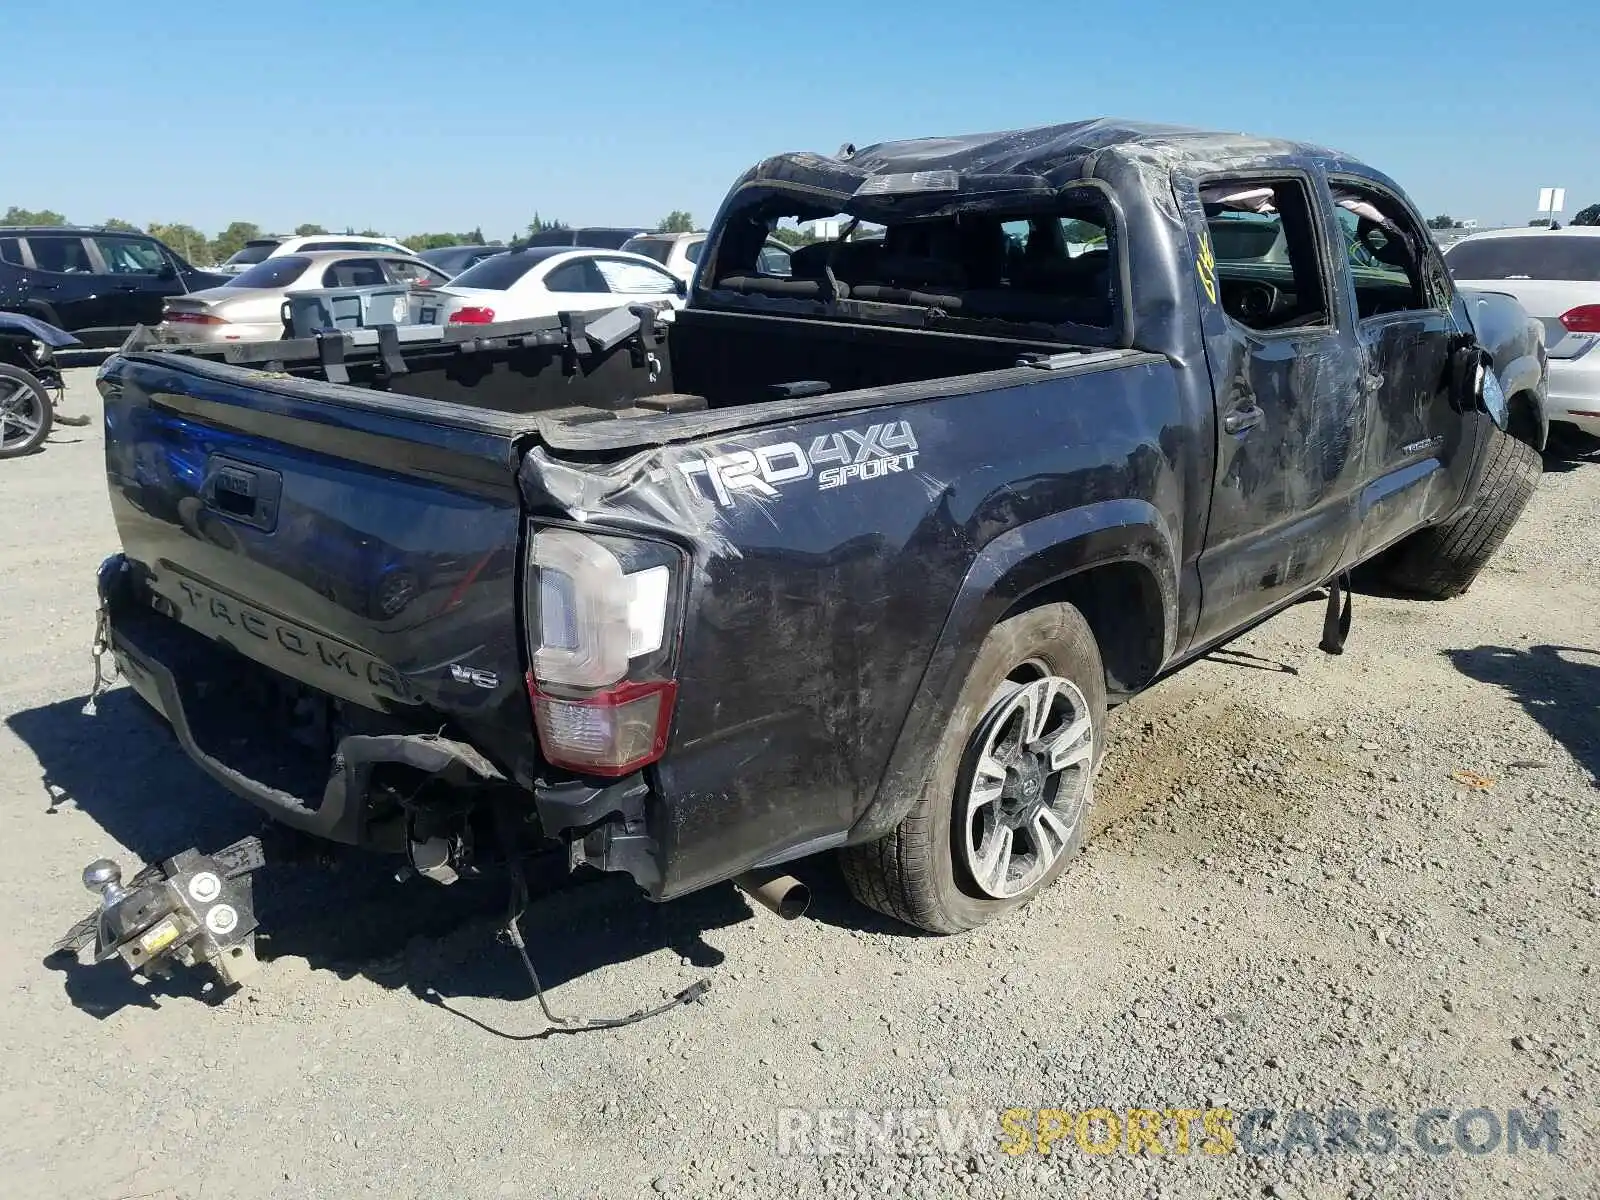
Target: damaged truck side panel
858	556
949	518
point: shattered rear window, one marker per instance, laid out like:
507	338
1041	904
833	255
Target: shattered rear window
1055	267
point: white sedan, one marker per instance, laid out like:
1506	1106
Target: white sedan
541	281
1555	275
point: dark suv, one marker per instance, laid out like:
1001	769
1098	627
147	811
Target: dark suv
95	283
601	237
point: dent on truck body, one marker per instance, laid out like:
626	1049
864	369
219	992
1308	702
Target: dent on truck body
819	597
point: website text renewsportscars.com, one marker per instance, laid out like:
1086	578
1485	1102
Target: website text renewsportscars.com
1177	1131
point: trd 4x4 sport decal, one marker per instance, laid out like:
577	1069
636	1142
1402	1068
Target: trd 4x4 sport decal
836	459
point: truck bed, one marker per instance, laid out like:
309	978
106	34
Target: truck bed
525	380
366	541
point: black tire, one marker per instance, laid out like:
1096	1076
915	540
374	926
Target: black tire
1442	561
917	873
26	413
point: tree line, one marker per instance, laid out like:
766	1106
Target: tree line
1584	216
204	250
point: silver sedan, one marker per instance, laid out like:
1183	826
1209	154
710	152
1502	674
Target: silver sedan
249	308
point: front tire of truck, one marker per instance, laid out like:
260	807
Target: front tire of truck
1012	782
1441	562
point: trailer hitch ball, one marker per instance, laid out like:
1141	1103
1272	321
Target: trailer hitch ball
104	878
190	911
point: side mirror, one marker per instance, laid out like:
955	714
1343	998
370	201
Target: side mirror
167	271
1474	387
682	288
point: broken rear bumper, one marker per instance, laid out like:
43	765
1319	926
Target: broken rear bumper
189	681
339	812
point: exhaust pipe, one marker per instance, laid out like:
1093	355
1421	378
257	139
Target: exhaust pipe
783	894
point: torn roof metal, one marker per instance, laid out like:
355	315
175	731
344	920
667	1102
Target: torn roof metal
1053	151
1002	168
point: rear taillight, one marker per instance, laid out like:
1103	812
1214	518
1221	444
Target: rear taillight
1583	319
191	318
603	620
472	316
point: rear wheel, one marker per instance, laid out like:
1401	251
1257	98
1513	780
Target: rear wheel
1443	561
25	412
1011	787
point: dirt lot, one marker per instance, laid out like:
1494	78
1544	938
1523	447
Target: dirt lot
1363	883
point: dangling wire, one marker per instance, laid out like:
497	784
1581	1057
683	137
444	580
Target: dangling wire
513	934
506	823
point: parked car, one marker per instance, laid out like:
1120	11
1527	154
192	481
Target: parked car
31	387
539	281
1555	273
249	307
453	260
680	252
603	237
93	283
854	560
260	249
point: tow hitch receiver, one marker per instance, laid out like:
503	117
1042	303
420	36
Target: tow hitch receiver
192	910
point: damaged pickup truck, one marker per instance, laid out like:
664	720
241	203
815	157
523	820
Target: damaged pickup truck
848	560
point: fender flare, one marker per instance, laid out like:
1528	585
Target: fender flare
1011	566
42	311
1525	376
26	324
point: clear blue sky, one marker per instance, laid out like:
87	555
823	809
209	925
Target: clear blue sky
407	116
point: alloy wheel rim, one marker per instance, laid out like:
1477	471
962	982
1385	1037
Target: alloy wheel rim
19	413
1029	783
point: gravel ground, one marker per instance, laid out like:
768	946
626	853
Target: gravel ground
1358	883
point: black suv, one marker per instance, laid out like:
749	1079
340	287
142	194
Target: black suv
95	283
601	237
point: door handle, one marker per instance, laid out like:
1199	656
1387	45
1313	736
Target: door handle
247	493
1241	419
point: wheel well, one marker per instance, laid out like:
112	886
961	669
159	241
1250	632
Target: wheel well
1122	604
1523	420
41	310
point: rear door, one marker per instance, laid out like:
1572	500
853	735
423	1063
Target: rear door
139	278
1288	384
574	286
1419	448
354	272
64	288
14	273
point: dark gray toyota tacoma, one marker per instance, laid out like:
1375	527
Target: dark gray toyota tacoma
852	559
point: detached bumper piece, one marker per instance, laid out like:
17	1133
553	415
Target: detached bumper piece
192	910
